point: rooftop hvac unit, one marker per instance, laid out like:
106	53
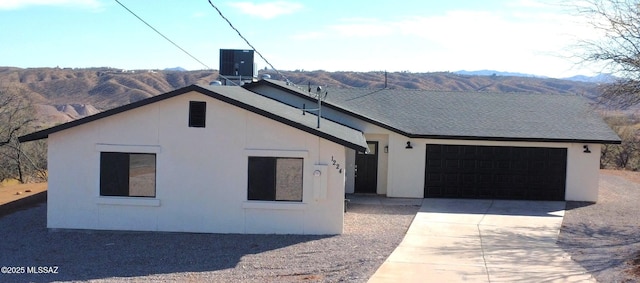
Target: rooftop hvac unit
237	63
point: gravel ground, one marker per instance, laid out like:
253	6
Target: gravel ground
372	232
605	237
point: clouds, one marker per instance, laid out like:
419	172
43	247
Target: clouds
518	35
18	4
363	27
525	36
268	10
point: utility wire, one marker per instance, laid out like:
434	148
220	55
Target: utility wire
193	57
158	32
247	41
172	42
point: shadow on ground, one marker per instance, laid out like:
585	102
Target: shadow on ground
387	210
598	248
86	255
577	204
494	207
603	237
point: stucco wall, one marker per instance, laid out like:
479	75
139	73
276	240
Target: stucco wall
350	179
405	168
583	172
201	174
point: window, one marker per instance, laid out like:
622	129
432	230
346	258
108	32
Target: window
197	114
372	148
275	179
127	174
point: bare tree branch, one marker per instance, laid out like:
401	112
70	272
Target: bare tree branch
17	117
13	115
618	48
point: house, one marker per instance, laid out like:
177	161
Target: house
256	158
464	145
199	159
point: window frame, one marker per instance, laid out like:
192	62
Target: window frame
111	165
278	205
266	183
197	114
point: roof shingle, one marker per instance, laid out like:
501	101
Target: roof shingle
242	98
472	115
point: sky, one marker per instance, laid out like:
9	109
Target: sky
527	36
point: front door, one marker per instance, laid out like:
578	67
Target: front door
367	169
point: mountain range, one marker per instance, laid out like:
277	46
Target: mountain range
64	94
600	78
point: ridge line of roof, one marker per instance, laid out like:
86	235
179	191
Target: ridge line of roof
334	107
282	119
44	133
300	93
41	134
434	90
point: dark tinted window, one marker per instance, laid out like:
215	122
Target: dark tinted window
274	178
197	114
127	174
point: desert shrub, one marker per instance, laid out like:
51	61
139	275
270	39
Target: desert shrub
627	154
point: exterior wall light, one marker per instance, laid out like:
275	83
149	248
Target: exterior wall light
409	145
386	149
586	149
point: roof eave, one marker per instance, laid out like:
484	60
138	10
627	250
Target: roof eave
515	139
42	134
283	120
329	105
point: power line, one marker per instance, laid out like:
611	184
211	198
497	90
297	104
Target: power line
158	32
172	42
247	41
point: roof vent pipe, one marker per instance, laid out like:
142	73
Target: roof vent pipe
318	90
385	78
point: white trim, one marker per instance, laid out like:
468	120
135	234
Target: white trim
128	148
274	205
129	201
276	153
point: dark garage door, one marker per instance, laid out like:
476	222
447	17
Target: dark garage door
495	172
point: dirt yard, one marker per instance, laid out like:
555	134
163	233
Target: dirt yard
605	237
12	192
371	233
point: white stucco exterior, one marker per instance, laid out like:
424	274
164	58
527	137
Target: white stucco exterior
407	166
403	175
201	178
401	171
201	173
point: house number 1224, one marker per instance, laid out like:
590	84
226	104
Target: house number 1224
336	164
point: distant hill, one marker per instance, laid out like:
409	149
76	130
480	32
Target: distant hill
176	69
444	81
495	73
65	94
103	88
601	78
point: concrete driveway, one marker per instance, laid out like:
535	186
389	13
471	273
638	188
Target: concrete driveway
453	240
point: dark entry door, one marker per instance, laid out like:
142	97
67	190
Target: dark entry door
495	172
367	169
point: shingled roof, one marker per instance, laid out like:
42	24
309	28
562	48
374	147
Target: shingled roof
470	115
244	99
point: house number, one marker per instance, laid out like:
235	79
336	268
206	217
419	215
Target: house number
336	164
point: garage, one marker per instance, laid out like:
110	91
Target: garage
495	172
